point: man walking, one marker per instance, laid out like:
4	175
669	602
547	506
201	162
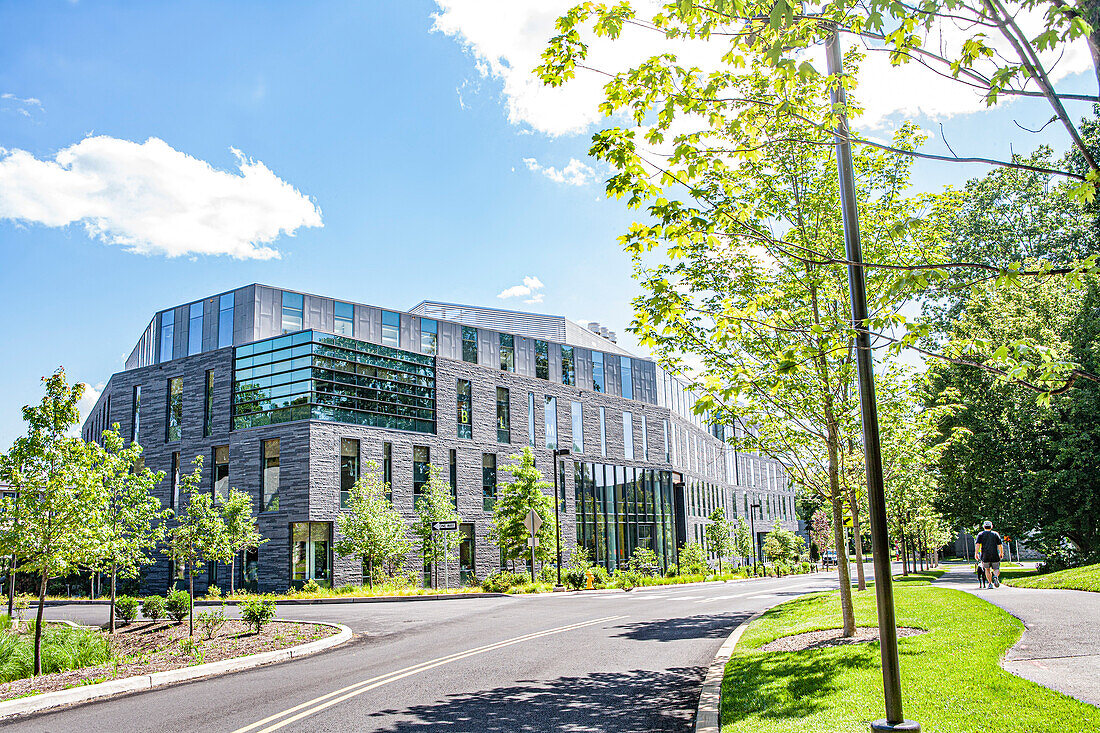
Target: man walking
988	544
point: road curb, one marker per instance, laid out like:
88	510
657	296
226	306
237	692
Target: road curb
299	601
710	697
113	688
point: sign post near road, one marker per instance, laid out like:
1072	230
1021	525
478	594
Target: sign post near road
532	522
449	525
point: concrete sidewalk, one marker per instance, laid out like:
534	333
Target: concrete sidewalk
1060	648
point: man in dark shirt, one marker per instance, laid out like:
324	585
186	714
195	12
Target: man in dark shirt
989	548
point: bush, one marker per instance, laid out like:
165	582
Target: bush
600	576
501	581
345	589
643	562
549	574
310	586
672	571
258	612
576	578
126	608
152	608
211	622
178	605
213	592
63	648
625	579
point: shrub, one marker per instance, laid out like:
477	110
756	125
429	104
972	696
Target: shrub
213	592
152	608
126	608
549	574
625	579
643	562
178	605
191	647
346	589
672	571
576	578
310	586
211	622
600	577
258	612
501	581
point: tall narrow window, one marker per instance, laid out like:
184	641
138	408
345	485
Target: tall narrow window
465	408
551	422
421	458
668	456
504	416
391	329
175	409
387	469
174	486
343	319
225	320
603	431
221	473
167	329
568	369
208	405
488	481
292	312
577	414
507	352
454	478
194	329
531	419
542	359
270	450
469	344
628	436
645	438
135	416
429	336
625	377
349	468
597	372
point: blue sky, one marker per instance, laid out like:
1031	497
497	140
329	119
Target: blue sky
416	147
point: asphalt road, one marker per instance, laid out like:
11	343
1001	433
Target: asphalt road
605	661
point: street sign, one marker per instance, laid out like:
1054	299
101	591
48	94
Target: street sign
848	521
448	526
533	539
532	521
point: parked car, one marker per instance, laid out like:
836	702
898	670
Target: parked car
828	560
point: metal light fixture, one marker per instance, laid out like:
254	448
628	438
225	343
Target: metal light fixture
752	528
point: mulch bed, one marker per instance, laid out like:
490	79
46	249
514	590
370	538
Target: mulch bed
144	648
830	638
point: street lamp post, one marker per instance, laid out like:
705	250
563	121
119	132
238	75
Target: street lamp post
752	528
558	452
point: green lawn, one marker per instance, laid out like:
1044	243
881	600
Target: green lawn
1083	578
920	576
951	679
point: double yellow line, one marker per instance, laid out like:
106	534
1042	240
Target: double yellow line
317	704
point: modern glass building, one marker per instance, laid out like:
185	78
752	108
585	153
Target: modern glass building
288	395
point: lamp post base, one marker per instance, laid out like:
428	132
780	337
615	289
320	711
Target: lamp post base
559	588
906	725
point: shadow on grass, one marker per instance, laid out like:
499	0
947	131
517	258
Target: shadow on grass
636	700
708	626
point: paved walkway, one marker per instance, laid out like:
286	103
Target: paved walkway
1060	648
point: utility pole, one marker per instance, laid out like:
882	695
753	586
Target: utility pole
876	493
752	528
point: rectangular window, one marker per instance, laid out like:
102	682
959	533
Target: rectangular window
344	319
465	408
421	458
597	372
469	344
225	320
551	422
292	312
531	419
135	415
387	469
220	474
454	478
391	329
167	329
488	481
668	456
429	336
628	436
208	405
270	452
542	359
645	438
504	416
175	409
349	468
194	329
577	413
174	486
625	377
507	352
603	431
309	552
568	368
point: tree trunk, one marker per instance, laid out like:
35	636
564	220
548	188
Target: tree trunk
904	554
846	610
191	601
857	539
233	571
370	573
11	588
38	622
111	624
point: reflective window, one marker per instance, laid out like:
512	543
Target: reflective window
542	360
469	344
421	458
465	408
429	336
221	473
225	321
504	416
568	370
270	452
625	377
454	478
344	319
309	553
551	422
292	312
597	372
488	481
208	405
531	419
175	409
645	438
135	415
628	436
603	431
507	352
387	469
349	468
577	413
194	329
174	485
167	328
668	456
391	329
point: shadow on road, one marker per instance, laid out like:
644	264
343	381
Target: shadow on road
638	700
704	626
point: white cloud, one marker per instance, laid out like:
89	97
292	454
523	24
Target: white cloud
529	287
153	199
575	173
26	106
86	403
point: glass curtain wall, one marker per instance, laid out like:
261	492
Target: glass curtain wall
620	508
225	320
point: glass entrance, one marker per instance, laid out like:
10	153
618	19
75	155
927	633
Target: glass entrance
467	557
309	553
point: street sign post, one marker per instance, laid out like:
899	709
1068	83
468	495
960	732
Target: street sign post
449	525
532	522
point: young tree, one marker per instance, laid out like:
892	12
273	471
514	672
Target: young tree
693	559
525	492
821	531
240	530
718	535
133	521
199	536
783	546
57	508
436	505
742	540
372	529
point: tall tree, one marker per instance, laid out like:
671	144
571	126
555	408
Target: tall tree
436	505
526	491
742	540
718	534
372	529
241	533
